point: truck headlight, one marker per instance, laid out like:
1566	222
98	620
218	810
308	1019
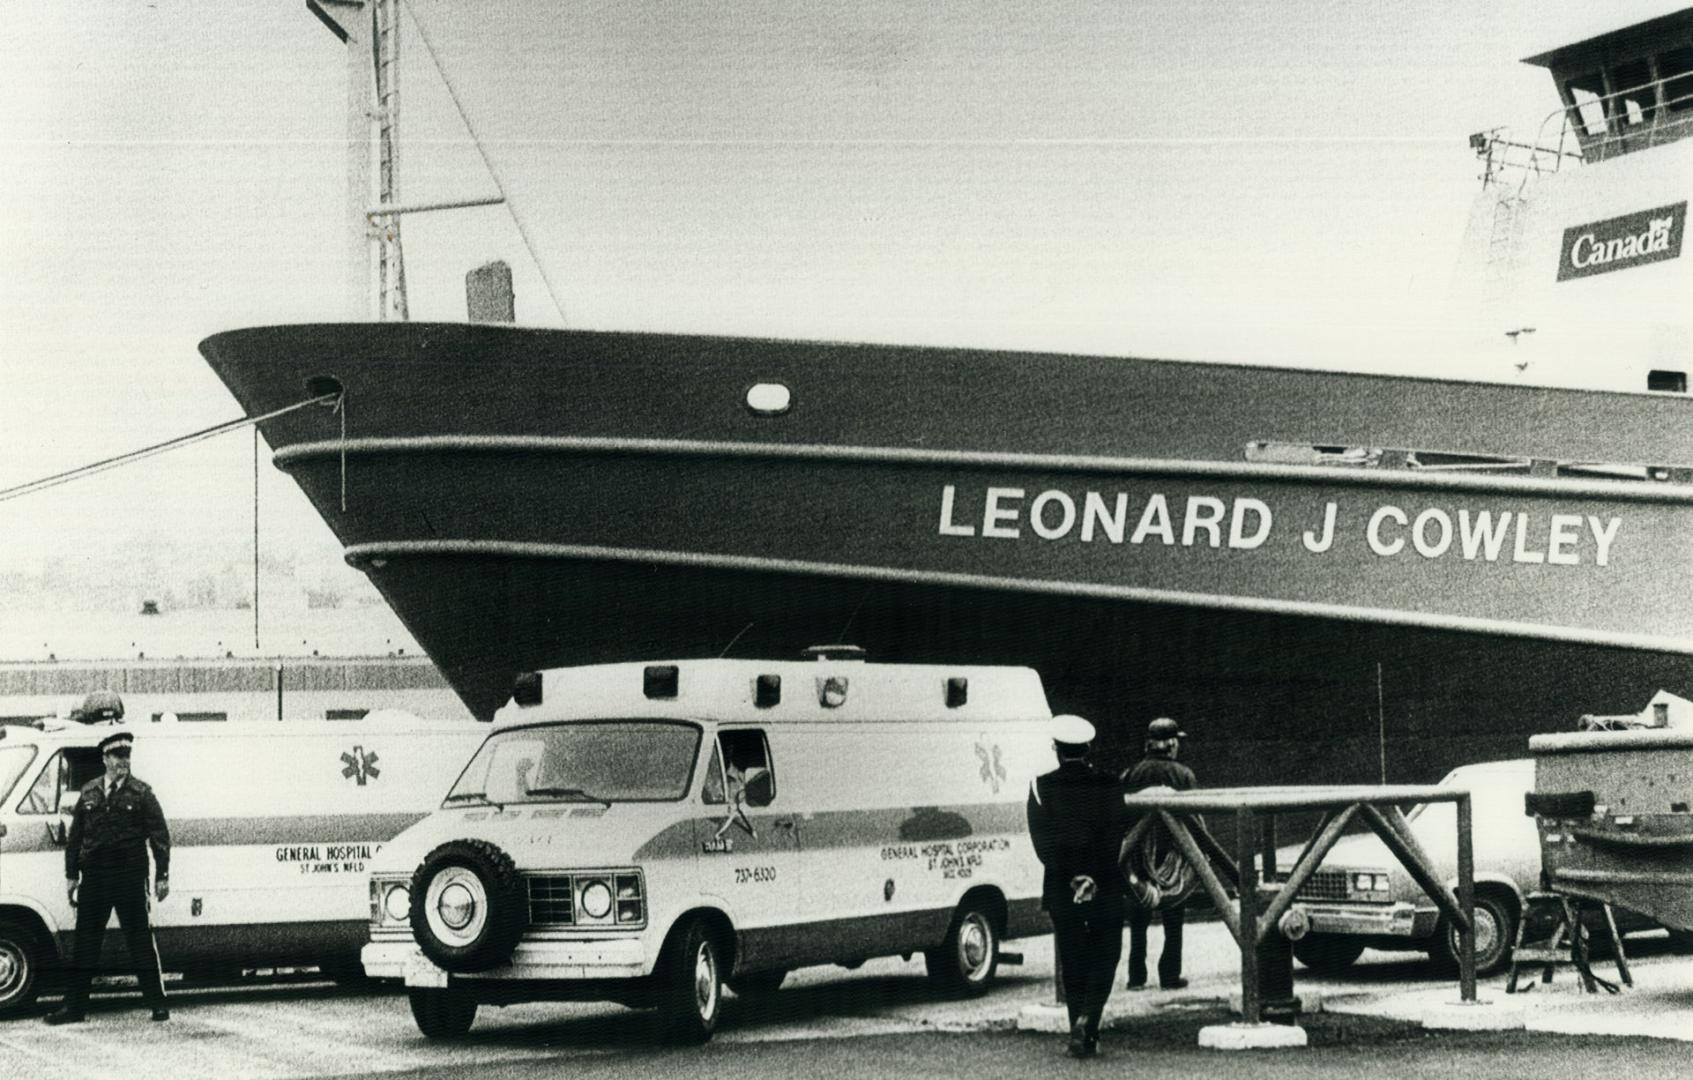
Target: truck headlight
596	898
390	902
396	905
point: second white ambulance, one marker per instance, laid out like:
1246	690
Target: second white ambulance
644	833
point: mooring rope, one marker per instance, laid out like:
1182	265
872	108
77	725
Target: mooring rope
43	483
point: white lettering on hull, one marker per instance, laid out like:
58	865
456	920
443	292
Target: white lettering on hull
1245	523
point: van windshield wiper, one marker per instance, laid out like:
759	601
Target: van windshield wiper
465	796
575	794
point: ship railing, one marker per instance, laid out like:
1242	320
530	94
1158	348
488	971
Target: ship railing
1507	160
1438	461
1590	129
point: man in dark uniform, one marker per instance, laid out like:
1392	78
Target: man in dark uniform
117	820
1076	824
1159	768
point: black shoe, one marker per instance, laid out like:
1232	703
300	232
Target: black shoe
1091	1046
160	1014
1177	983
64	1015
1135	984
1077	1046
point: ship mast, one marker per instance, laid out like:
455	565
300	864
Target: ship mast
375	258
383	229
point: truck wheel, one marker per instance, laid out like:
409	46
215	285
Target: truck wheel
442	1014
967	960
21	957
759	982
468	906
1327	954
1495	936
690	990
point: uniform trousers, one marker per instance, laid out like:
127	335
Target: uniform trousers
1089	946
114	881
1170	960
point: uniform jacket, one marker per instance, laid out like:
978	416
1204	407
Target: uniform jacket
1076	823
128	820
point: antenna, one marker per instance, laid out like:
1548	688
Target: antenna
732	641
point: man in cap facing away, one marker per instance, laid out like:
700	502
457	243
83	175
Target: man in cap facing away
1159	769
1076	823
117	819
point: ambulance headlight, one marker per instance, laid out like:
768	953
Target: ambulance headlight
396	905
596	898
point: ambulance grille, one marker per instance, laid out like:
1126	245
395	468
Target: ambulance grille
1325	885
550	901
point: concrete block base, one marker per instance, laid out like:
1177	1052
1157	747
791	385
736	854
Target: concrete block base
1051	1018
1252	1037
1473	1016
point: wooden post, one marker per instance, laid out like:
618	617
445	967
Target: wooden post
1246	839
1466	903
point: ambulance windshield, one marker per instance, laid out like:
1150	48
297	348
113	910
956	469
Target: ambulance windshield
592	762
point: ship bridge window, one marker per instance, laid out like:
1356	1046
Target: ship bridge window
1637	97
1585	92
1675	68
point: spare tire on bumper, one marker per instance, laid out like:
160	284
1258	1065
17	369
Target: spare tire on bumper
468	906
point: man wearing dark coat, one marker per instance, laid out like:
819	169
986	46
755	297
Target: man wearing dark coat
1158	769
117	820
1076	824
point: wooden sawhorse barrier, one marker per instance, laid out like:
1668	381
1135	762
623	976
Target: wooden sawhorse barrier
1254	810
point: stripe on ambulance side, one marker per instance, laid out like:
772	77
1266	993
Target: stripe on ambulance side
231	831
831	829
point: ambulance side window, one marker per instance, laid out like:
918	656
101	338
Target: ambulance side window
43	797
746	759
715	788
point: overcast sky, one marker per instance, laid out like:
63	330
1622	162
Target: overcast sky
169	170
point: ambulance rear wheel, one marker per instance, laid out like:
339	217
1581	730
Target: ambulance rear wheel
21	957
966	962
468	906
690	990
442	1014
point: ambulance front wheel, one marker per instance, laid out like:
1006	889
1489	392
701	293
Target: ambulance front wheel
690	984
442	1014
967	960
21	957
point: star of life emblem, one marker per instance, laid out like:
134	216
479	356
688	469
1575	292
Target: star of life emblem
360	766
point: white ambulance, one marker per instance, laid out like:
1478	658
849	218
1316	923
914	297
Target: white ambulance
272	826
646	833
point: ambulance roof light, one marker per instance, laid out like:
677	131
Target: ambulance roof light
661	680
957	691
835	652
526	689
